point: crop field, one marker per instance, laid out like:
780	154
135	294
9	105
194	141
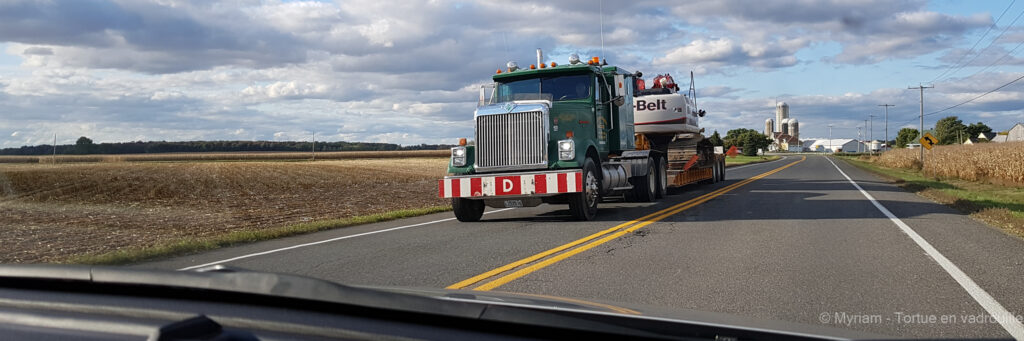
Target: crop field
235	156
997	163
54	212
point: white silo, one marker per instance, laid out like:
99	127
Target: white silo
794	128
781	113
784	127
769	127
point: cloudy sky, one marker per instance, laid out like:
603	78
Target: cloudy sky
407	71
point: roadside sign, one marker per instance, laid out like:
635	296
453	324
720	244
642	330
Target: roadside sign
928	141
732	151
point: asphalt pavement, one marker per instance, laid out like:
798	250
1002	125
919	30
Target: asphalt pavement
791	240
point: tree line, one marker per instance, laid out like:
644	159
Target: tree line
949	130
85	145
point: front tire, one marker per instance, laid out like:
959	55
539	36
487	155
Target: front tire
467	210
583	205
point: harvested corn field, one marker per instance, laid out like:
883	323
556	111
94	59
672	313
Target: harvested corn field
50	212
998	163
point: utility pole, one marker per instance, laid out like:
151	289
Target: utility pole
921	87
859	141
886	121
871	132
314	146
830	139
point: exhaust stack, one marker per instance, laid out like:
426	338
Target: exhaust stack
540	57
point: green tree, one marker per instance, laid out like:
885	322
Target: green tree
84	145
734	137
950	130
905	137
752	141
976	129
716	140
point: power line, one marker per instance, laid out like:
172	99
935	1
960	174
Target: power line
975	43
989	45
979	96
967	101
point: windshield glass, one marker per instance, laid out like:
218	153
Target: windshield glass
549	88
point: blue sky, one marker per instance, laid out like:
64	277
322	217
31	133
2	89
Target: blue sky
407	72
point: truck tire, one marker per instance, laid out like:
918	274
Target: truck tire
721	170
662	178
467	210
645	188
583	205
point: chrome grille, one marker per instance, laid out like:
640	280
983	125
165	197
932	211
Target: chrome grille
511	141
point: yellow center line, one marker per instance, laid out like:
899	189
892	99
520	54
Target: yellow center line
611	233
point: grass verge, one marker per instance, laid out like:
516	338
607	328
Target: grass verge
188	246
1000	206
743	160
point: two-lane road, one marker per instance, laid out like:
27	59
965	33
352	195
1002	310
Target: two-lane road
807	240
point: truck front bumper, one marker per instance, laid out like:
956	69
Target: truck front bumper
510	185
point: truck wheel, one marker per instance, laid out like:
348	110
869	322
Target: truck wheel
662	178
721	170
467	210
583	205
645	188
715	172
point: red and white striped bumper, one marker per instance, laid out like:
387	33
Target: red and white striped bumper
510	184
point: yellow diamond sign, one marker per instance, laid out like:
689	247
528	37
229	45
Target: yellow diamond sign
928	141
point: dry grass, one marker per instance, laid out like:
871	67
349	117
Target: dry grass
997	163
997	205
238	156
49	212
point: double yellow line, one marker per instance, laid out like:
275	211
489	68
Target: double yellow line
605	236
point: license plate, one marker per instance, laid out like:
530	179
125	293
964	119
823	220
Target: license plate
513	203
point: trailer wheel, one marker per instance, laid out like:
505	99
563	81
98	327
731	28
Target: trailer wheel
583	205
662	178
468	210
645	188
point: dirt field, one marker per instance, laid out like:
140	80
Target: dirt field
239	156
49	212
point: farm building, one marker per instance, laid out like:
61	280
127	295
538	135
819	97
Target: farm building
836	145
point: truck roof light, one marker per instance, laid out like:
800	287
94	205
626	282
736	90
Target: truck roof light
533	67
553	64
499	71
568	134
542	65
597	61
462	141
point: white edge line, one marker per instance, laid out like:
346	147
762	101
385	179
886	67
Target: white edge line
324	241
996	310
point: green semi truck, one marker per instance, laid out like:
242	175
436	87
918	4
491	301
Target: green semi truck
577	134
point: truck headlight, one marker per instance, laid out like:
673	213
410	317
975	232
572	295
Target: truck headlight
566	150
459	156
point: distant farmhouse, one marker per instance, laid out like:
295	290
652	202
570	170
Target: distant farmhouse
1016	133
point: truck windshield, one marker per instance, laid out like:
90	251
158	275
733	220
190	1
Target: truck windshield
549	88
